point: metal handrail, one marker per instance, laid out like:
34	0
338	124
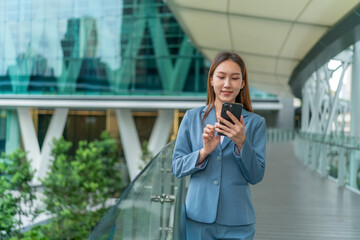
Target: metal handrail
349	142
334	156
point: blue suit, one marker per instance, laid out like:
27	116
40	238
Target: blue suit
219	189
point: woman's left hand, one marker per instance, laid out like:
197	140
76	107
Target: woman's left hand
236	131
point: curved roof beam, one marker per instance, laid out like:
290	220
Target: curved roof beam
343	34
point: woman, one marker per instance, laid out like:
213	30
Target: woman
218	203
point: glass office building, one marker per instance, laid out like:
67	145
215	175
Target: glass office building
96	47
93	48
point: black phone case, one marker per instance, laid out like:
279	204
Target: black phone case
234	108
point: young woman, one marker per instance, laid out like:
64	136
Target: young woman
218	203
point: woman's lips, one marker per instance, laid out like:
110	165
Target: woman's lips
226	93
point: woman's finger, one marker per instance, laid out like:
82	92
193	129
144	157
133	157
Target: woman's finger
226	122
205	135
226	132
242	120
210	127
222	128
209	132
232	117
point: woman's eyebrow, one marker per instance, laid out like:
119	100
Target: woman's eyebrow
226	73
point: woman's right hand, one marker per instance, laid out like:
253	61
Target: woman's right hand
210	142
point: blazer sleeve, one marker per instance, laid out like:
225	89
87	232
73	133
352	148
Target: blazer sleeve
185	159
252	154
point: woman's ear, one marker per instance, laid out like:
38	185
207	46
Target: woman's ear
211	81
242	85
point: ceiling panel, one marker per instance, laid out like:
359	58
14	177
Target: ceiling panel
265	78
210	33
258	36
301	39
278	9
327	12
259	64
285	66
212	5
256	78
209	53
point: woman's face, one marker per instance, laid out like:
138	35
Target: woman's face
227	81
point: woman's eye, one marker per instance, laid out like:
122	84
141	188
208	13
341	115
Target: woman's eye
236	78
221	77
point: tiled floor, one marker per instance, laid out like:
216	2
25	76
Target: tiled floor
293	202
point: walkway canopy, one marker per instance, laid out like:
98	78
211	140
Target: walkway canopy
273	37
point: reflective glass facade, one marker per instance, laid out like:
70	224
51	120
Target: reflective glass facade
96	47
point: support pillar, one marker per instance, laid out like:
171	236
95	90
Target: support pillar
55	130
304	110
161	130
355	118
130	141
29	138
40	160
12	131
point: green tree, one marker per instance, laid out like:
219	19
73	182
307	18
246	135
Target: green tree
15	192
78	186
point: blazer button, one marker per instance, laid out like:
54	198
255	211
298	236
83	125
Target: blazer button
218	158
216	182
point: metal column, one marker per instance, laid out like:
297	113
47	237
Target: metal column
355	119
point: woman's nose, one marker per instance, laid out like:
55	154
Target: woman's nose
227	82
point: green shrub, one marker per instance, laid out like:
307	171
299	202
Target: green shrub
78	186
15	192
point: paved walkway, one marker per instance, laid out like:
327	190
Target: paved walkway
293	202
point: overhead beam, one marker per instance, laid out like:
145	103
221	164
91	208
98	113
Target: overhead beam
345	33
116	102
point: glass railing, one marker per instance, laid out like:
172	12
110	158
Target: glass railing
150	207
274	135
334	156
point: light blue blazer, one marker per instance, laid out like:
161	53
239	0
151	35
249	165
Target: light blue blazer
219	189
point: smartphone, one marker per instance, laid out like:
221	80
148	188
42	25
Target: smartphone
234	108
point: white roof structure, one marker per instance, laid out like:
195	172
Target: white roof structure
272	36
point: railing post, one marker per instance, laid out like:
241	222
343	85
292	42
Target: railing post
354	167
307	153
341	167
313	156
323	160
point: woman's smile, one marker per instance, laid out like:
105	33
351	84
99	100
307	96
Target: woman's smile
227	92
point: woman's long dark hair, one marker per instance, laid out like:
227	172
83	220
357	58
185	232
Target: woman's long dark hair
244	94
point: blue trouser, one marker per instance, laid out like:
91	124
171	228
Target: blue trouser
193	230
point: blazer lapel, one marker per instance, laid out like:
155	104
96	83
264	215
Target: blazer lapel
227	140
211	118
